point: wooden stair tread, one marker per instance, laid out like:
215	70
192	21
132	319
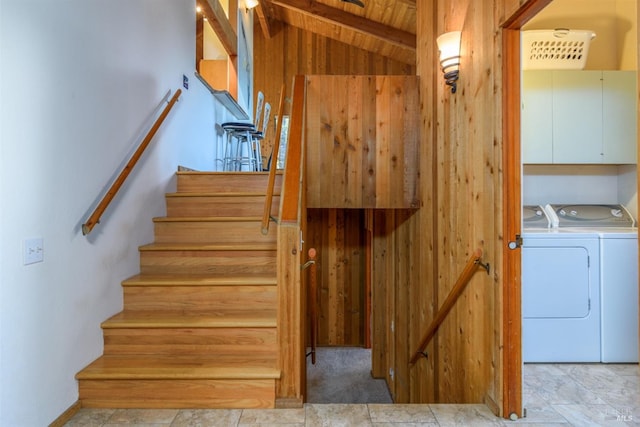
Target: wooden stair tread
238	246
229	173
208	219
199	280
237	194
176	367
167	319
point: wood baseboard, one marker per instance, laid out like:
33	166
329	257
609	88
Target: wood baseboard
492	405
288	403
67	415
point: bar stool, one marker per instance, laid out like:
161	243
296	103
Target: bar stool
258	136
240	141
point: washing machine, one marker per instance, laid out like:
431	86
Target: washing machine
618	241
560	292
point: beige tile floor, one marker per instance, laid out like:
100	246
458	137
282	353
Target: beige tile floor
554	395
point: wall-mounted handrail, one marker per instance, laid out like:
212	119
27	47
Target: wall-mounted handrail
274	166
469	269
115	187
313	302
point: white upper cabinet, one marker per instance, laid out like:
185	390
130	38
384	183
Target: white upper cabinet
619	108
578	117
537	116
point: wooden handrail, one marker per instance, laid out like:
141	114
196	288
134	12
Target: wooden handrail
290	205
313	303
115	187
469	269
274	166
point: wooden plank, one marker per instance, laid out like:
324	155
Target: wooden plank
289	210
337	148
512	402
387	34
311	54
369	138
384	134
379	285
214	71
194	394
291	314
217	18
265	23
333	307
364	141
368	269
339	236
353	135
355	263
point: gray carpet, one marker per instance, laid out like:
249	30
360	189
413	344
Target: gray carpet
343	375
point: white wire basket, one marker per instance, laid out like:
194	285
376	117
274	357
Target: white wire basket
559	49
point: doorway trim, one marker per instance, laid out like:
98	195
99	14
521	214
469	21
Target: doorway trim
512	310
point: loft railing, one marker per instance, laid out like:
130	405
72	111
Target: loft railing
291	293
468	272
117	184
266	216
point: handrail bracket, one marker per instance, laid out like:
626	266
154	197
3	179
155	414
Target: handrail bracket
307	264
486	266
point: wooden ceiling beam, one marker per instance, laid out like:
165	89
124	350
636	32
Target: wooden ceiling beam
213	11
354	23
265	24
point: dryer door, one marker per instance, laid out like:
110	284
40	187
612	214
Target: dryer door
555	282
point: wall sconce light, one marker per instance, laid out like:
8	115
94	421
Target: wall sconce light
449	46
250	4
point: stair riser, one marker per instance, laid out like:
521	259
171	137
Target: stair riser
208	262
200	298
199	206
212	232
225	182
258	343
173	393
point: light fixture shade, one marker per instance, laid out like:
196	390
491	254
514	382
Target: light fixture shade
449	46
250	4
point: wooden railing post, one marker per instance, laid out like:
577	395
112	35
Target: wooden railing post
313	303
291	295
115	187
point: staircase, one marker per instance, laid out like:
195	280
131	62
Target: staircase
198	329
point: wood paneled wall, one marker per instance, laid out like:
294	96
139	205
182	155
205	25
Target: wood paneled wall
339	237
277	60
292	51
362	141
418	254
467	206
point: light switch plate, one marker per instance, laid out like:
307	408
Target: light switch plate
33	250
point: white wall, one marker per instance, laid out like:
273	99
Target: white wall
80	82
591	184
613	21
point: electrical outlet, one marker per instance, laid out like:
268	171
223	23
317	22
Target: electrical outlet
33	250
